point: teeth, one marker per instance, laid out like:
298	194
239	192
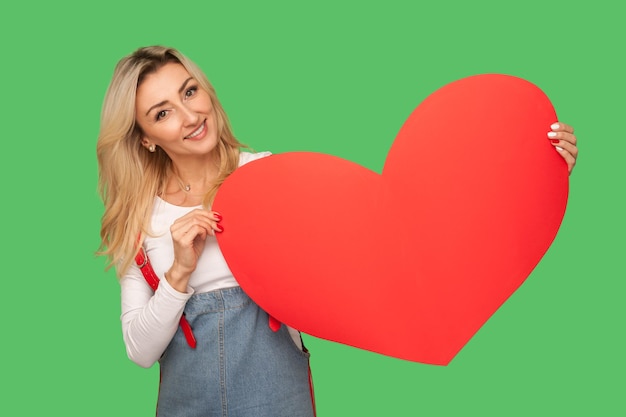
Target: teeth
197	131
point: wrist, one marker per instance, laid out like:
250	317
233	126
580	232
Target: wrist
178	278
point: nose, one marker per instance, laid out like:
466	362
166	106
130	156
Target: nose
190	117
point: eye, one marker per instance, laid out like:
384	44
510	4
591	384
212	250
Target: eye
191	91
161	115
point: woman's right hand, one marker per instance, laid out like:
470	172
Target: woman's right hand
189	235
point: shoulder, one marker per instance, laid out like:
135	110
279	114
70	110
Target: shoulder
245	157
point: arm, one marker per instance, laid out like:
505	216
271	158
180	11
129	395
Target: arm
150	320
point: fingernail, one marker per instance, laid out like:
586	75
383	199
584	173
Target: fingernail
218	216
558	148
551	134
220	229
554	140
555	126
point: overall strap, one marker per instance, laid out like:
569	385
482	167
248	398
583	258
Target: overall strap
143	262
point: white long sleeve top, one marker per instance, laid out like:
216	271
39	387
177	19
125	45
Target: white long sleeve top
150	319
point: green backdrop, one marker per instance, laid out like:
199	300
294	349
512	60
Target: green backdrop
328	76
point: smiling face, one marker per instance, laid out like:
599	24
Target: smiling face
176	114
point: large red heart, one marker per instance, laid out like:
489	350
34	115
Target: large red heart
410	263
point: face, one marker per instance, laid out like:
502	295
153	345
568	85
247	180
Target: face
175	113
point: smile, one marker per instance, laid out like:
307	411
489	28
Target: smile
198	131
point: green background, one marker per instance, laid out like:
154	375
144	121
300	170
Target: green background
327	76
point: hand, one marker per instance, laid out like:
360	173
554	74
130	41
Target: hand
563	139
189	235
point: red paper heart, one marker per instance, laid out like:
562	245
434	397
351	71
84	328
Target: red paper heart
412	262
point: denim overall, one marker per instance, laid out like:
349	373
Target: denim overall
240	367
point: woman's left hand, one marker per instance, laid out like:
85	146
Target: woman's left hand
563	139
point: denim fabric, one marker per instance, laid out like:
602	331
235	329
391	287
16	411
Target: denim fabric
239	368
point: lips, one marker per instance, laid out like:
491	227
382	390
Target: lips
198	132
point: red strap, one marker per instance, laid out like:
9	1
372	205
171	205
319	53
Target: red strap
312	392
274	324
143	262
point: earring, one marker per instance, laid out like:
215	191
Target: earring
152	148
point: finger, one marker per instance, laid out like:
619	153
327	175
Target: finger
199	243
210	224
187	230
198	213
216	216
569	147
216	228
187	238
568	153
568	157
561	127
194	217
564	136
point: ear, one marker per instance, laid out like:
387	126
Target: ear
145	142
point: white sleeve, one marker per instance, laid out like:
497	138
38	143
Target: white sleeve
149	320
245	157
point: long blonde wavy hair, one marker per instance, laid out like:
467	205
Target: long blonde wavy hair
130	176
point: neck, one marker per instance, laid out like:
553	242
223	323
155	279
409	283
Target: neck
195	176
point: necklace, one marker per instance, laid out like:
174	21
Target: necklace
186	188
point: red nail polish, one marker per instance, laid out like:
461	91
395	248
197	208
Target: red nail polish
219	216
554	140
220	229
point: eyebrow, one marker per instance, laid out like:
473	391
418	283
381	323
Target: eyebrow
180	90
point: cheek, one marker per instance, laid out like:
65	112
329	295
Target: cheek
204	99
213	115
163	132
217	123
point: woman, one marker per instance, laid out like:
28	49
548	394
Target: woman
164	148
